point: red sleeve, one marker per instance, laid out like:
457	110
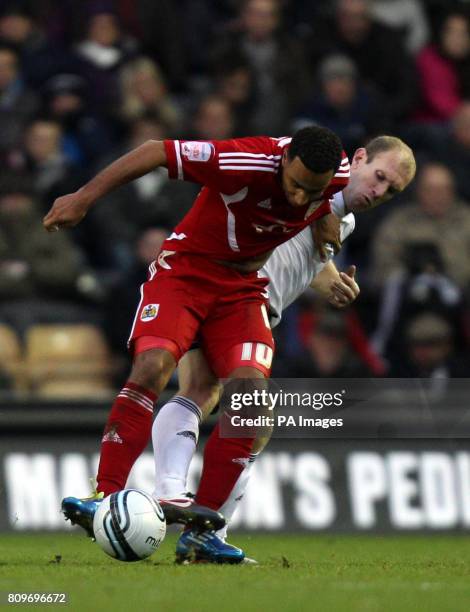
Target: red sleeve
340	179
187	160
210	162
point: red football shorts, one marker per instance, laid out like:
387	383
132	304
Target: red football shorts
189	296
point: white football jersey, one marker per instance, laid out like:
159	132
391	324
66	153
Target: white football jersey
293	265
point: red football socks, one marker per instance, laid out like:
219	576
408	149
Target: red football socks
224	461
126	435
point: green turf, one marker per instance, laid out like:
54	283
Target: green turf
305	572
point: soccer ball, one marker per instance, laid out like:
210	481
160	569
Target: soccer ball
129	525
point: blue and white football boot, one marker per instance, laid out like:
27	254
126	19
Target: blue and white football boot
81	511
207	547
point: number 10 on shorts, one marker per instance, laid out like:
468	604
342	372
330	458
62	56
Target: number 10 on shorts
263	353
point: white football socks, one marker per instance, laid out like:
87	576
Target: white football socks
236	495
175	433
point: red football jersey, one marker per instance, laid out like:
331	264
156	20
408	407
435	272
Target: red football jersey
241	210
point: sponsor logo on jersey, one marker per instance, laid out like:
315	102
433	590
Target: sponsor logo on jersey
197	151
265	203
149	312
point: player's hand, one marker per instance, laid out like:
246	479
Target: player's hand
345	290
326	230
67	211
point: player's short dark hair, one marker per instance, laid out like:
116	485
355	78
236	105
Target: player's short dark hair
318	148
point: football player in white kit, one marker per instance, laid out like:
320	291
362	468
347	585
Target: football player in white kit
380	170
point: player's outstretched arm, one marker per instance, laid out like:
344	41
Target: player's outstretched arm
68	210
339	288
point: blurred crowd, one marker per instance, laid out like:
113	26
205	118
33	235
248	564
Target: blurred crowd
82	82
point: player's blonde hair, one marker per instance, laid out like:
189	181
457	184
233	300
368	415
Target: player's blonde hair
382	144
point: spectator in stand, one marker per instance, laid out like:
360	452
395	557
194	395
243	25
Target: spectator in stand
328	353
277	61
39	58
376	49
119	320
422	285
43	158
17	103
343	104
420	256
437	217
32	265
86	135
235	83
444	70
408	17
213	120
162	29
144	92
202	23
299	322
430	352
453	149
41	279
103	51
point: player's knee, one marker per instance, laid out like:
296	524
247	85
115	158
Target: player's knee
152	369
204	393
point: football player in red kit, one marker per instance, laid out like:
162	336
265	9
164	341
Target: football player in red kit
257	193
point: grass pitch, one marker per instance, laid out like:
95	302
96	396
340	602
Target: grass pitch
302	572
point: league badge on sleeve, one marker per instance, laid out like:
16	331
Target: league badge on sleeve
197	151
149	312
